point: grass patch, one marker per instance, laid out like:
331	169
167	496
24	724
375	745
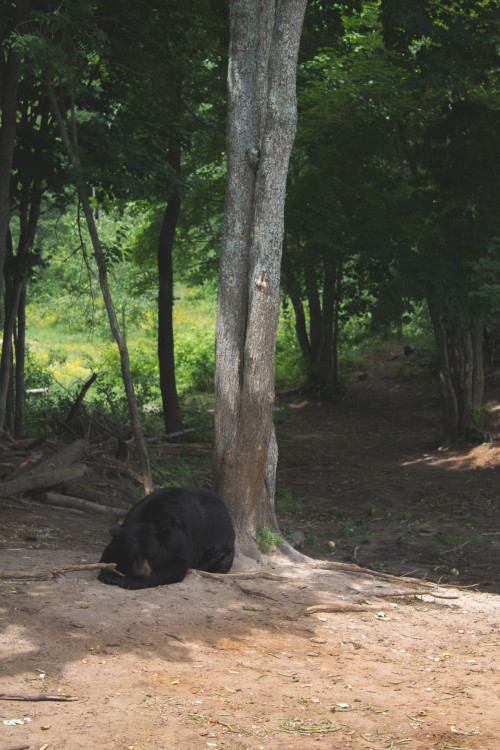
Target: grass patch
267	539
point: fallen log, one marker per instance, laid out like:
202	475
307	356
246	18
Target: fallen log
41	479
26	466
68	501
69	455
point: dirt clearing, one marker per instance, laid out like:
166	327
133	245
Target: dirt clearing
244	662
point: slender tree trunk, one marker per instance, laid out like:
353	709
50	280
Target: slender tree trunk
29	213
19	379
10	81
11	301
336	316
293	289
461	375
264	41
166	358
83	195
325	363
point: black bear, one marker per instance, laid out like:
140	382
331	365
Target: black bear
165	534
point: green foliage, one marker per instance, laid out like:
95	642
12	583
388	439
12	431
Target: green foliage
197	414
290	369
267	540
475	430
195	360
347	527
285	504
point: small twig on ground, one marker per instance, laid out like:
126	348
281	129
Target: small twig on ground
41	697
416	593
336	608
253	592
454	549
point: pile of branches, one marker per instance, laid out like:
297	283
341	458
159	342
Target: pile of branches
75	474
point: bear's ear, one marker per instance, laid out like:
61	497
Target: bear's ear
114	533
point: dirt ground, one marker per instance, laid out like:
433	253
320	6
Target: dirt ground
338	658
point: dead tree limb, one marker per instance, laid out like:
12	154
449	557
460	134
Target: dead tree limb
55	571
242	576
68	501
80	397
341	607
26	466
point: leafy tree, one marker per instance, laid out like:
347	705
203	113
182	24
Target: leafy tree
452	54
69	51
345	176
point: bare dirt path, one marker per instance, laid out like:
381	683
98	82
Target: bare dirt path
241	663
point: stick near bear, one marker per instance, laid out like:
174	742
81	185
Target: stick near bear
55	571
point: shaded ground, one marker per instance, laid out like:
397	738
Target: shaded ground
365	474
241	663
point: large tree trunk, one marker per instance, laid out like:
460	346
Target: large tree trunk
461	375
264	42
168	386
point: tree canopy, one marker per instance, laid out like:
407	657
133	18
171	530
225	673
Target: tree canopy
392	190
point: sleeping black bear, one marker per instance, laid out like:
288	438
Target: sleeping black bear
165	534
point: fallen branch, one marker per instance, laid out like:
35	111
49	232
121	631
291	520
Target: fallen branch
255	574
359	571
41	697
253	592
29	463
336	608
55	571
67	501
415	593
80	397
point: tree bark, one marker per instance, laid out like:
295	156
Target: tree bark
264	42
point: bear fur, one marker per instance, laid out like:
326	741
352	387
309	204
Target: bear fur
165	534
